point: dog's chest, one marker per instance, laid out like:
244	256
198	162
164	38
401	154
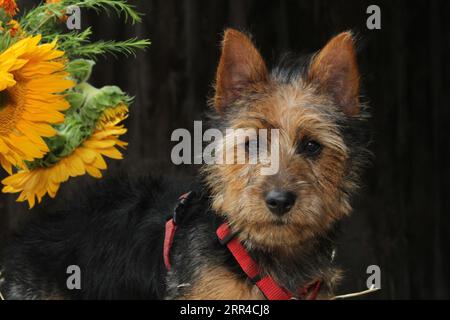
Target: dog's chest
217	283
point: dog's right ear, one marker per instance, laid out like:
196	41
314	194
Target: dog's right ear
240	67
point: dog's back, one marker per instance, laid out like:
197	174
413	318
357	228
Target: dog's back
114	236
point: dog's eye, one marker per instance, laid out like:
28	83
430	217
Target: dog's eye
251	145
310	148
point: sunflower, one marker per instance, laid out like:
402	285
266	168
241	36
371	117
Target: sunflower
9	6
32	77
87	158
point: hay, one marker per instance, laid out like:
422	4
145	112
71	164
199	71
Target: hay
372	289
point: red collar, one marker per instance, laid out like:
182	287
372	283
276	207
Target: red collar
265	283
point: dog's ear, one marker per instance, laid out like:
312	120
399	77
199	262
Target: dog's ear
335	71
240	66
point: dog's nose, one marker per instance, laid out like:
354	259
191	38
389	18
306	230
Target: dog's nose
280	202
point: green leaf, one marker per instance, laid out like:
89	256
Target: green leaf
45	19
36	19
99	48
80	69
76	101
97	100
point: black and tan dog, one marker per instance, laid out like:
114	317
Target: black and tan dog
239	234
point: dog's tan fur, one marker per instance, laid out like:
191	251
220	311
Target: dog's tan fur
307	108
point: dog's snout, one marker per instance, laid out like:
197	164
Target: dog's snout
280	202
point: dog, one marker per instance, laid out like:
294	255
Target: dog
237	234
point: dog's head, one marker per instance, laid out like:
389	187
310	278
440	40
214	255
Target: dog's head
317	116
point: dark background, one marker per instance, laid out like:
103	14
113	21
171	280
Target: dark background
401	217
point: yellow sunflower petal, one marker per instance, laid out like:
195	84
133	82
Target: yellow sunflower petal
94	172
5	164
32	78
88	158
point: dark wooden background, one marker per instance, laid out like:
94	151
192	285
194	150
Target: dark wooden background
401	218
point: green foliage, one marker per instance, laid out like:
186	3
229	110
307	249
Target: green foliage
36	19
127	47
87	103
87	106
80	69
46	20
5	38
5	41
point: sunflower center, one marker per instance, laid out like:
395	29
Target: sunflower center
4	96
12	102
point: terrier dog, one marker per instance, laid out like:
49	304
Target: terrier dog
238	234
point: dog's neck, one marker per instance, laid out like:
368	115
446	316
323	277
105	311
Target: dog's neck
300	266
297	266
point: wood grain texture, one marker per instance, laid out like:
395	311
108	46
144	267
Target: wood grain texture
401	219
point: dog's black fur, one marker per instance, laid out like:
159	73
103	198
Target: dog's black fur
115	235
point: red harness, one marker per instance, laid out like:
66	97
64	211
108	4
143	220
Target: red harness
266	284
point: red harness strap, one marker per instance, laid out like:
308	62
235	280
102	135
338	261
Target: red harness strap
267	285
171	227
270	289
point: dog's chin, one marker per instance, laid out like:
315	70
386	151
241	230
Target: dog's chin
279	223
272	233
276	236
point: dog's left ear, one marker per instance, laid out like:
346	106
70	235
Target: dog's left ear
240	67
335	71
